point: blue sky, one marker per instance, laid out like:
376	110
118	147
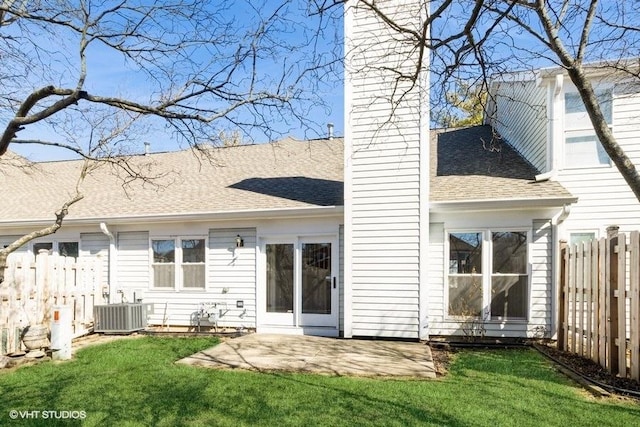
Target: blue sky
110	75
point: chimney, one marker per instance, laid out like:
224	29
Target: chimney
147	148
330	131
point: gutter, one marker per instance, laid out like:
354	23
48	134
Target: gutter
556	220
249	214
494	204
113	253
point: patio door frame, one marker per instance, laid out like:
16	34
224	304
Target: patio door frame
297	322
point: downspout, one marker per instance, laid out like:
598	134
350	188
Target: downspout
557	219
111	263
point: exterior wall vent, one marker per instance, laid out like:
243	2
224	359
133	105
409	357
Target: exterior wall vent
120	318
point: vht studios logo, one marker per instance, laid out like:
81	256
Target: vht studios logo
48	415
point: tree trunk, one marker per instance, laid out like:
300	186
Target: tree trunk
603	132
60	215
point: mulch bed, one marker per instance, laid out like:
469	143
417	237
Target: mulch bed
590	369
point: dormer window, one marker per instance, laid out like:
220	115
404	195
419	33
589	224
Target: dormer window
582	149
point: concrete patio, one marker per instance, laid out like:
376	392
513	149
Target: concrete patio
300	353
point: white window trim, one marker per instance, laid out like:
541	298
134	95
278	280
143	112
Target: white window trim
487	262
585	130
177	242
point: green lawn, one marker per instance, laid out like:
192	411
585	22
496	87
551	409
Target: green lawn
135	382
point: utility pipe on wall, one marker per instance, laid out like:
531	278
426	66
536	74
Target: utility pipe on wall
111	262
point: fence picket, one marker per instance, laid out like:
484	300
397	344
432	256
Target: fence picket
599	305
572	299
593	261
588	301
602	301
33	286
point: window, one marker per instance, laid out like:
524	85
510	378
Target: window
465	274
70	249
579	237
193	264
164	263
582	147
179	264
42	246
488	275
509	278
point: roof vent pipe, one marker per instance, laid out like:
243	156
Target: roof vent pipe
147	148
330	131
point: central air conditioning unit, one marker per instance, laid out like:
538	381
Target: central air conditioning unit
120	318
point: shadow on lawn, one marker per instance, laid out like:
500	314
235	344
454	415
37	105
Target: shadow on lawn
146	387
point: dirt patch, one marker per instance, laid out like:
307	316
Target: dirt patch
441	360
94	339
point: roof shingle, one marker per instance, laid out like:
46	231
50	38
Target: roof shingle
285	174
466	165
474	164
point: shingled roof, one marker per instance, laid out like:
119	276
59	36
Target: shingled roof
466	165
285	174
474	164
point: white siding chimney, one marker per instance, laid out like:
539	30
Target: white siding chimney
386	174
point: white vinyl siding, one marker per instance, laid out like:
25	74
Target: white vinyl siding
520	117
133	266
604	198
341	279
540	292
436	273
382	177
231	273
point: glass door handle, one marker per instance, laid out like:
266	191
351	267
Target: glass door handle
334	282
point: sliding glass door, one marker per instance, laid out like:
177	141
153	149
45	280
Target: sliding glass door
301	284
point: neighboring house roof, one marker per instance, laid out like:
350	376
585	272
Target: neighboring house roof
281	175
620	68
474	165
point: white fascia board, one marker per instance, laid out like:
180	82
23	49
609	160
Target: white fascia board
500	204
324	211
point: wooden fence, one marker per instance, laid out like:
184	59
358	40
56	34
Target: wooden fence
599	304
32	287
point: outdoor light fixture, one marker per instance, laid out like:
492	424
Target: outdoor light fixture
239	242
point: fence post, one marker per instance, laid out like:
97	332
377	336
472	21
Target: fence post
563	301
580	299
595	302
621	302
634	290
572	296
588	301
612	309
